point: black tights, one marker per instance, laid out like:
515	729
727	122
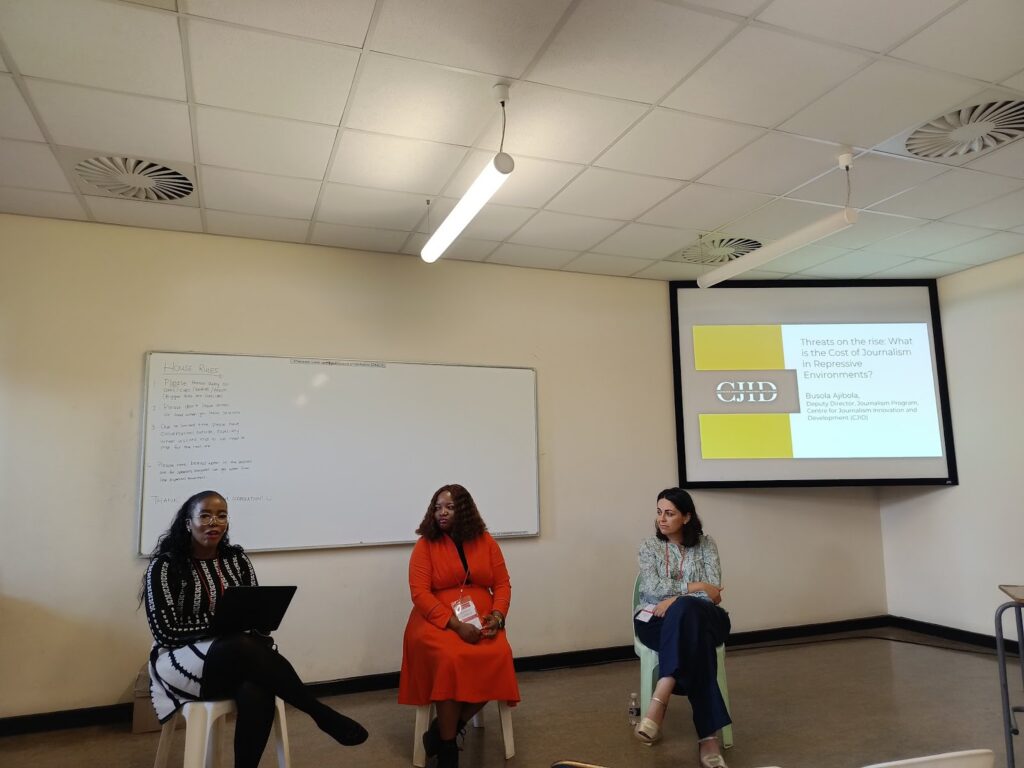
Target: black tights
242	668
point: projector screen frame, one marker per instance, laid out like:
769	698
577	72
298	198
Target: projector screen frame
952	477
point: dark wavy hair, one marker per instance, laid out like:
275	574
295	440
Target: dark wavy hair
693	529
176	541
467	524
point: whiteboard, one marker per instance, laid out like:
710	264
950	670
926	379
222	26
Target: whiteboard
335	453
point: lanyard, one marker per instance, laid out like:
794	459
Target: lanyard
668	573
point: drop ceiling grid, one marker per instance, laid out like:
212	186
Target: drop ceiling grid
217	156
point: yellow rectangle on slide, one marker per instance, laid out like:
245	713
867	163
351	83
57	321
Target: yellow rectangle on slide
745	436
738	348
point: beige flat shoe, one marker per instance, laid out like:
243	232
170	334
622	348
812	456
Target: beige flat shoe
648	732
712	761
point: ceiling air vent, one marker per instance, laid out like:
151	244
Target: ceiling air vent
968	130
718	249
134	179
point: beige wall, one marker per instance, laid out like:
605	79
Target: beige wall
947	550
80	304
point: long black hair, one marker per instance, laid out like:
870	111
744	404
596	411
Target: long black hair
176	541
693	529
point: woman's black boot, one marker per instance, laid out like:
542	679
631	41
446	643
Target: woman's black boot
447	754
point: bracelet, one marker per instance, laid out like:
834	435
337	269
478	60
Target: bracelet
500	618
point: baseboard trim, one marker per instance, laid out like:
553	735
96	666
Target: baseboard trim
122	713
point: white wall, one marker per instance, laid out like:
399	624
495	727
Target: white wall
80	304
947	550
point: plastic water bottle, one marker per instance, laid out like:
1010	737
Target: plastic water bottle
634	710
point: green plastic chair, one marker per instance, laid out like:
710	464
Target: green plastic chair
649	671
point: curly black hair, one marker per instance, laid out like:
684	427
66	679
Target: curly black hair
693	529
467	524
176	541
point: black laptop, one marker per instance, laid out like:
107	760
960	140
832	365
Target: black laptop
242	609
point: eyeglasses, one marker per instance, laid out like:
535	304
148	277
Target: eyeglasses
205	518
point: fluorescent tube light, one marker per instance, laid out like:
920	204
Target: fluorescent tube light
494	174
829	225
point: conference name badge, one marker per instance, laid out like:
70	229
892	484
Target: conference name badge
465	611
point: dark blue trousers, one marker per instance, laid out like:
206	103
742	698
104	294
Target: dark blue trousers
686	639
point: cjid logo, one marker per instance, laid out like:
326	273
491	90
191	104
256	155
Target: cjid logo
746	391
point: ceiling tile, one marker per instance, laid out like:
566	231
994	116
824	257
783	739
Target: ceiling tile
873	177
739	7
762	77
30	165
561	230
494	222
115	123
667	143
932	237
110	45
255	193
258	227
462	249
34	202
263	144
16	121
377	208
872	24
551	123
672	270
603	264
646	47
1008	161
646	241
528	256
135	213
1017	81
953	191
879	102
759	274
612	195
779	219
918	269
981	38
870	228
805	258
991	248
703	207
855	264
167	5
389	162
500	38
336	21
531	185
358	238
269	74
774	164
422	101
1004	212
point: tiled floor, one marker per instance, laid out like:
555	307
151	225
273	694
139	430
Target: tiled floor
842	701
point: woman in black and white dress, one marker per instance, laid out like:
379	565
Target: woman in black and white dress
191	567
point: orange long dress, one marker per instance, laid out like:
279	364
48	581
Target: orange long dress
438	665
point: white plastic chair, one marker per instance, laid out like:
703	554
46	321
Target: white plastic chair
649	672
204	721
425	712
971	758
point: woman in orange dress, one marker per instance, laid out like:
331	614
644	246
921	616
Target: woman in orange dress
447	660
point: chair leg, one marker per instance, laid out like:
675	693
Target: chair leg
218	734
478	719
724	688
284	759
197	737
419	755
648	679
163	749
505	714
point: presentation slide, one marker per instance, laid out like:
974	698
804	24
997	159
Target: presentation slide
810	384
822	391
